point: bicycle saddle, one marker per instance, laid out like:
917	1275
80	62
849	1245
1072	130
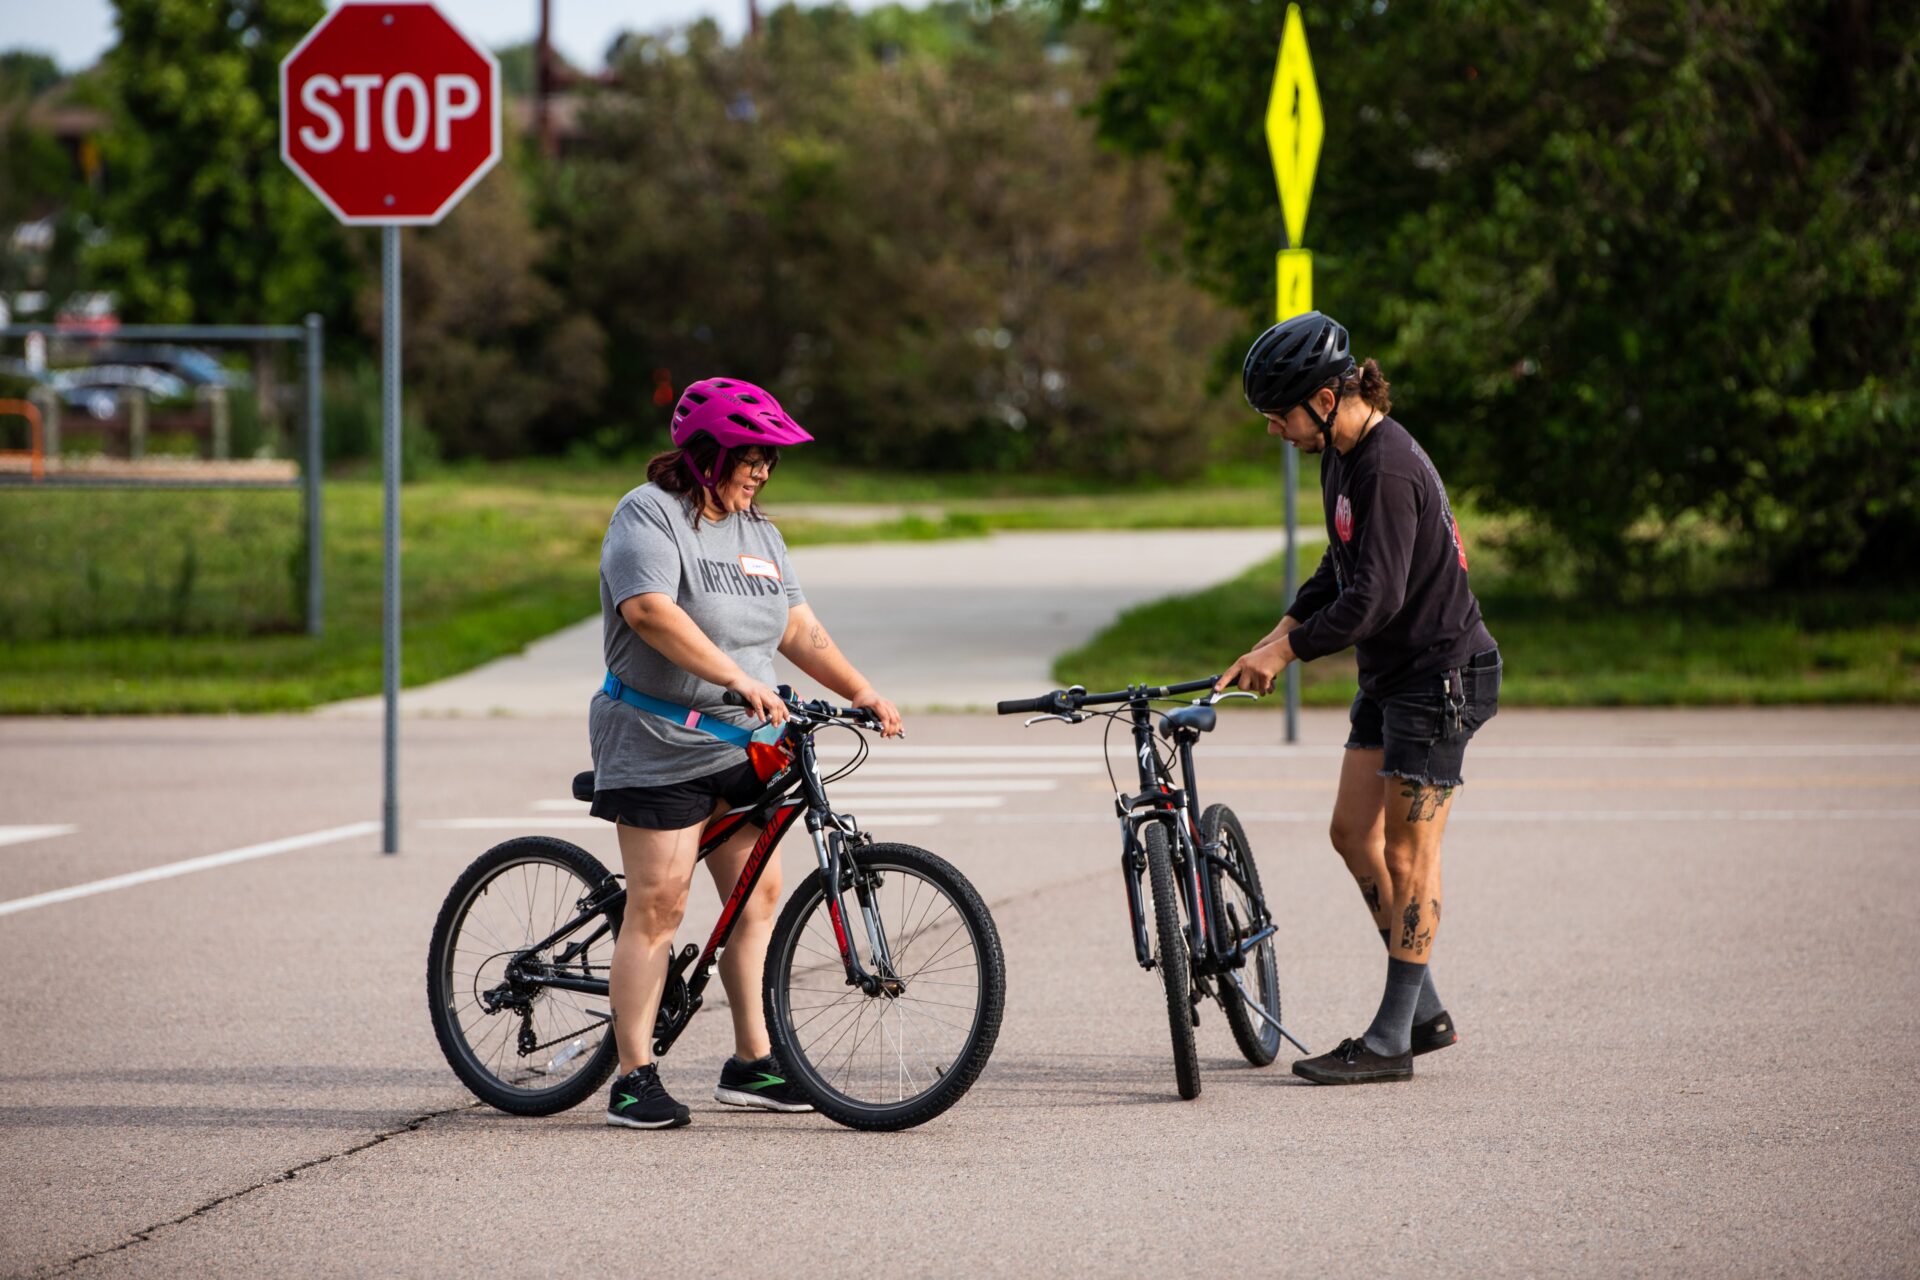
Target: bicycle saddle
583	785
1195	720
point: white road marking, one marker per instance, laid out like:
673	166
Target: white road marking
1537	815
1013	751
860	785
532	826
877	768
923	802
1715	751
535	825
20	835
204	863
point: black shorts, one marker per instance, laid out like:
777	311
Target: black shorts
679	805
1423	732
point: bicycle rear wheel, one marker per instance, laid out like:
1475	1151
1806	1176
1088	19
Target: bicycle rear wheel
899	1057
1170	957
1238	894
527	1049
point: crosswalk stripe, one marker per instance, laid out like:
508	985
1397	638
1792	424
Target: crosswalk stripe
46	831
860	785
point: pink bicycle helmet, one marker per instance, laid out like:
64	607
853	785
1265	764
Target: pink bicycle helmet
736	415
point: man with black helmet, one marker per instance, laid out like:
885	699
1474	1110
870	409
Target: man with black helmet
1393	585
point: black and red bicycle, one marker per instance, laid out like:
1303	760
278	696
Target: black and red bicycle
1200	866
884	984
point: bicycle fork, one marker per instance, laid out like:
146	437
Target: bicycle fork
830	848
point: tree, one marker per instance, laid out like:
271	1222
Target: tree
903	222
27	73
205	223
496	360
1629	264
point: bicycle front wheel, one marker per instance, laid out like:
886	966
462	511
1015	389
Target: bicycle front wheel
519	1045
1237	890
900	1056
1170	957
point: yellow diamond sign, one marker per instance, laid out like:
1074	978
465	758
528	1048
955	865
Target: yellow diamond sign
1295	126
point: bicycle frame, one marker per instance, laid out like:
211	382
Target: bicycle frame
1160	800
835	837
1209	926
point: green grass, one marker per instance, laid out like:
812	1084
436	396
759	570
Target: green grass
190	601
486	570
1727	647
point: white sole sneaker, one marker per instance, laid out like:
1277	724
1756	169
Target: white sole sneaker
626	1122
742	1098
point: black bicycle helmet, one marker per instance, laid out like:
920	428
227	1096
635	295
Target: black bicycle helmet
1294	359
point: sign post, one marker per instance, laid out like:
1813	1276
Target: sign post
390	115
1295	129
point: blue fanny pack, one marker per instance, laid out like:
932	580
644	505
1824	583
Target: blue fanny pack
688	718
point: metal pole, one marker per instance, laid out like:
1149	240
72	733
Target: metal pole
390	516
316	596
1293	583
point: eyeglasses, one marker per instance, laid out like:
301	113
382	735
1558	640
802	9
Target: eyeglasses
760	464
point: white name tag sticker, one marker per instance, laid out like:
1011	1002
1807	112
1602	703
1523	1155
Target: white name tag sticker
755	567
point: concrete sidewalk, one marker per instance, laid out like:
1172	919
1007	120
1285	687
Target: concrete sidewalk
951	625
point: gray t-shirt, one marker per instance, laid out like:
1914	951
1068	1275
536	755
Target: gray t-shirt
733	578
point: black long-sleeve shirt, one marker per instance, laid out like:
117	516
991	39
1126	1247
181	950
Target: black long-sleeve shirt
1393	581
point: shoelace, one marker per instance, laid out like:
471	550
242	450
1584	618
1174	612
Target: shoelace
1349	1050
646	1084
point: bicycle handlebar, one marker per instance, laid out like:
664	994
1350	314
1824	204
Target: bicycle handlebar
1062	701
817	709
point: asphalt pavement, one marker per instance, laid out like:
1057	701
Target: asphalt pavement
1678	945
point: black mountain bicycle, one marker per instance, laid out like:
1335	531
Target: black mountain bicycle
883	1007
1203	867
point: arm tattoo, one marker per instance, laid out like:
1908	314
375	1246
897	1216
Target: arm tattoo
1423	802
1371	892
818	634
1412	937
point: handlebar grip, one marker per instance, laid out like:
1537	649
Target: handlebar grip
732	699
1054	703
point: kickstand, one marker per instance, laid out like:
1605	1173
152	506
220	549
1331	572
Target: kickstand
1264	1016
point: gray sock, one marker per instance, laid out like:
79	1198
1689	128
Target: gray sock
1429	1007
1392	1031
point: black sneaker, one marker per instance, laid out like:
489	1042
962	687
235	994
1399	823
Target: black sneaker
1354	1063
1436	1032
762	1084
640	1101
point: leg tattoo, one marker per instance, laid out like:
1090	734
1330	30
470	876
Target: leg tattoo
1423	802
1371	892
1412	937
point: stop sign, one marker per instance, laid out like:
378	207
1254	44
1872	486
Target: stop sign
388	113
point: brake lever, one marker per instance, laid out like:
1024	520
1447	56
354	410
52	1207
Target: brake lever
1074	718
1208	700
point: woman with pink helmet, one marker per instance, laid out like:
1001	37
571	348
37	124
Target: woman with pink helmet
696	596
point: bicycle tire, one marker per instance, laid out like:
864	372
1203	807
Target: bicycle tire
1259	1041
443	991
1170	957
798	1056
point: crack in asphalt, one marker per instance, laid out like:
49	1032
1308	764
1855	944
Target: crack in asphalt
144	1234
